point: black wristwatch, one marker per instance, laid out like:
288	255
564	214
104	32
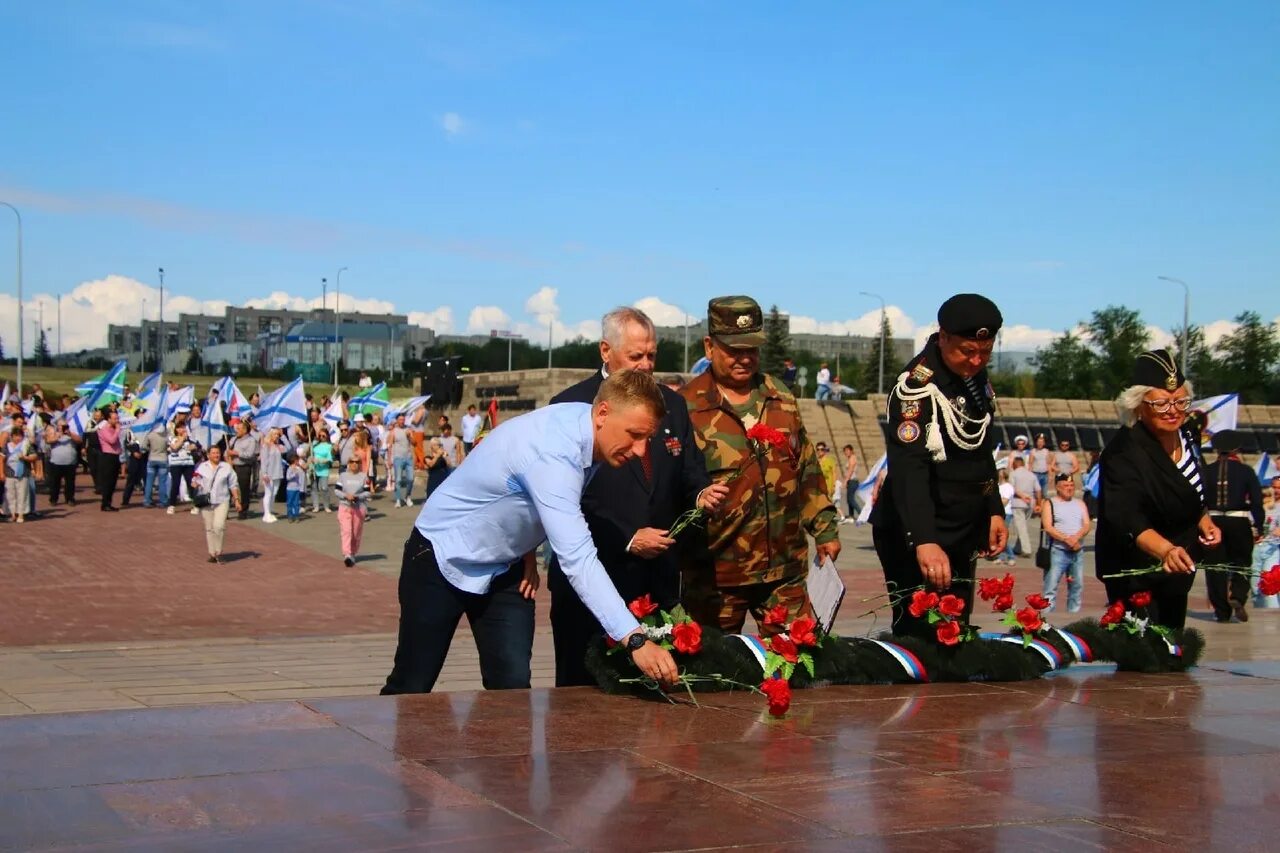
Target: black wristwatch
636	641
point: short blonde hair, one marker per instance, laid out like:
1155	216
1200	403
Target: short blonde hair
632	388
1130	400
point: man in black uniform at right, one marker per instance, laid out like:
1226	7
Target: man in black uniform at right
939	507
1234	498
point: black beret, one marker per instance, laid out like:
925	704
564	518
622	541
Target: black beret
1158	370
1227	440
970	315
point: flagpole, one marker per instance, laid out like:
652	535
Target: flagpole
19	217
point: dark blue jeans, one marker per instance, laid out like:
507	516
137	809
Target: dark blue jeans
430	609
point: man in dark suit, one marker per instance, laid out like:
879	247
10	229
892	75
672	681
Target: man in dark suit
630	508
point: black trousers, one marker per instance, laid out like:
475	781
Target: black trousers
108	474
430	608
902	572
573	626
244	481
1168	594
61	478
135	476
1236	550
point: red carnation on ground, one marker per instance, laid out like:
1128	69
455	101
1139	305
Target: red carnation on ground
687	637
802	632
776	615
1038	601
951	605
782	645
1006	585
922	602
988	588
1029	619
767	435
1269	581
1114	614
1140	599
642	606
1002	603
949	633
778	692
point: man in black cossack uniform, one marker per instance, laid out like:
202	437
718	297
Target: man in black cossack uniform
1234	498
939	507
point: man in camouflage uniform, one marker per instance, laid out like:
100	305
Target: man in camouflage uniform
754	554
939	507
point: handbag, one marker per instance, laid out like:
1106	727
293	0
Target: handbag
202	500
1043	560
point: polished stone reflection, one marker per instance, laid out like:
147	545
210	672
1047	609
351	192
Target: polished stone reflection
1088	759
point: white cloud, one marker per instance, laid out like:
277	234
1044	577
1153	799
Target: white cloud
453	124
866	324
542	304
440	319
484	318
663	313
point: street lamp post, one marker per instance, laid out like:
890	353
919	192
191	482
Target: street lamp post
1186	316
19	217
142	337
337	323
686	342
391	356
880	385
160	339
324	306
59	325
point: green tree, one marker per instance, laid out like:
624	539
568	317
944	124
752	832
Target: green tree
871	367
1118	337
41	356
1202	368
1067	368
1249	356
1	350
193	362
776	343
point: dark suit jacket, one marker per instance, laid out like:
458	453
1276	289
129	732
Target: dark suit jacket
619	501
1142	489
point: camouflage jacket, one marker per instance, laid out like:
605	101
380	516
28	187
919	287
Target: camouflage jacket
759	534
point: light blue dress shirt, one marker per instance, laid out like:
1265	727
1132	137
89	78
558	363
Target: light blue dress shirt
519	486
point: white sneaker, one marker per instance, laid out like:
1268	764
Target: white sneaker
398	504
408	501
169	511
195	510
269	519
326	509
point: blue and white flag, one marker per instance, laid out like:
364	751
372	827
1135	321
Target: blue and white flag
863	492
154	411
77	416
181	400
4	395
405	409
700	366
232	397
146	386
1093	480
211	427
335	412
283	407
1266	469
1220	412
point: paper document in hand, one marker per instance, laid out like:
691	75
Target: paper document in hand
826	591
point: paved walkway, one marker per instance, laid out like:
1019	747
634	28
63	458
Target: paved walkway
119	610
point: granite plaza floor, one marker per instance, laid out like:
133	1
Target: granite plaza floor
280	743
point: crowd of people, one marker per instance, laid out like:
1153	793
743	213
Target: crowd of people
320	466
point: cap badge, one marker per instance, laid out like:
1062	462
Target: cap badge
982	334
744	320
1171	383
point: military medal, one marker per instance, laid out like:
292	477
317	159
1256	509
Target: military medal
910	409
958	403
921	374
908	431
673	445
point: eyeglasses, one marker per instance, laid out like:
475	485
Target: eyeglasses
1162	407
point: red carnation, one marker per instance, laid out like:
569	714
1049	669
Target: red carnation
776	615
1006	585
1140	599
1269	581
768	435
1114	614
642	606
802	632
1002	603
1029	619
989	588
949	633
778	693
1038	601
782	645
922	602
687	637
951	605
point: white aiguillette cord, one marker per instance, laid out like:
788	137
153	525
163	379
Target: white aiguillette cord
967	433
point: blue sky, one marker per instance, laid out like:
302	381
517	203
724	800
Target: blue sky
488	165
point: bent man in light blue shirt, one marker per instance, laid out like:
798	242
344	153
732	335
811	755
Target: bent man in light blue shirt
471	548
